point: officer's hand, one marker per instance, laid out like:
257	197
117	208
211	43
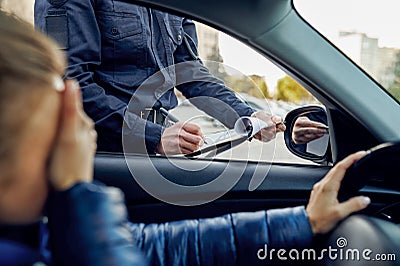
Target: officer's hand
73	152
324	209
267	134
305	130
181	138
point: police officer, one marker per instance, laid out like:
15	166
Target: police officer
113	48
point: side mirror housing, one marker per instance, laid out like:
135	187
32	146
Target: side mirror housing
307	133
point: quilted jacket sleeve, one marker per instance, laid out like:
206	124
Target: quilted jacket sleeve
88	226
233	239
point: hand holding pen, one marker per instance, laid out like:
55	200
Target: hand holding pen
179	138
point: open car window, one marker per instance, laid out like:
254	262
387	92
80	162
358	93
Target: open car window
364	31
254	79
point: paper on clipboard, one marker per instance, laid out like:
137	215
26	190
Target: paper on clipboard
245	128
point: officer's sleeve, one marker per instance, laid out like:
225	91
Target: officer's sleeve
74	26
207	92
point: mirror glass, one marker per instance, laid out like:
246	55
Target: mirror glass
309	133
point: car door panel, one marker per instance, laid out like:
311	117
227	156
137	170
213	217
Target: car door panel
284	185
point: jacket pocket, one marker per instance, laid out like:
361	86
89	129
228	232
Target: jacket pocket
116	26
175	29
122	44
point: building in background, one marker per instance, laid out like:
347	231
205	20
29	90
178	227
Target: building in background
377	61
208	42
387	60
362	49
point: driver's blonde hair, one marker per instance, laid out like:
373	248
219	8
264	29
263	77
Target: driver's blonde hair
29	63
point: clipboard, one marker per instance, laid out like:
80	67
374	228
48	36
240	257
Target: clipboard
245	128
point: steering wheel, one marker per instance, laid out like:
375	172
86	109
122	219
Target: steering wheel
361	232
381	163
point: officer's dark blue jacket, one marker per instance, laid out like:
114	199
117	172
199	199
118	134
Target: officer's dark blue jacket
88	225
113	47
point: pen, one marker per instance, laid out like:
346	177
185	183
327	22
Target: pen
168	115
173	118
323	127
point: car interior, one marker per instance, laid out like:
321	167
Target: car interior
277	31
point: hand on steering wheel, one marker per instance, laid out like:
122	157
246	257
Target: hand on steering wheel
324	210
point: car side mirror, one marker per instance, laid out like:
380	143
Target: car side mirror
307	133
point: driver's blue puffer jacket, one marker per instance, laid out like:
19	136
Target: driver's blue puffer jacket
88	226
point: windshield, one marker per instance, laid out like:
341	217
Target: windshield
366	31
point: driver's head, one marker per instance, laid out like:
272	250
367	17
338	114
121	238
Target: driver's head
31	67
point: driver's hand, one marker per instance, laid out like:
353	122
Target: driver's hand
267	134
324	209
74	148
181	138
305	130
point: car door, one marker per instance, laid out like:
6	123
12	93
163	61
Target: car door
160	189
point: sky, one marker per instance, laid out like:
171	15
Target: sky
377	18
